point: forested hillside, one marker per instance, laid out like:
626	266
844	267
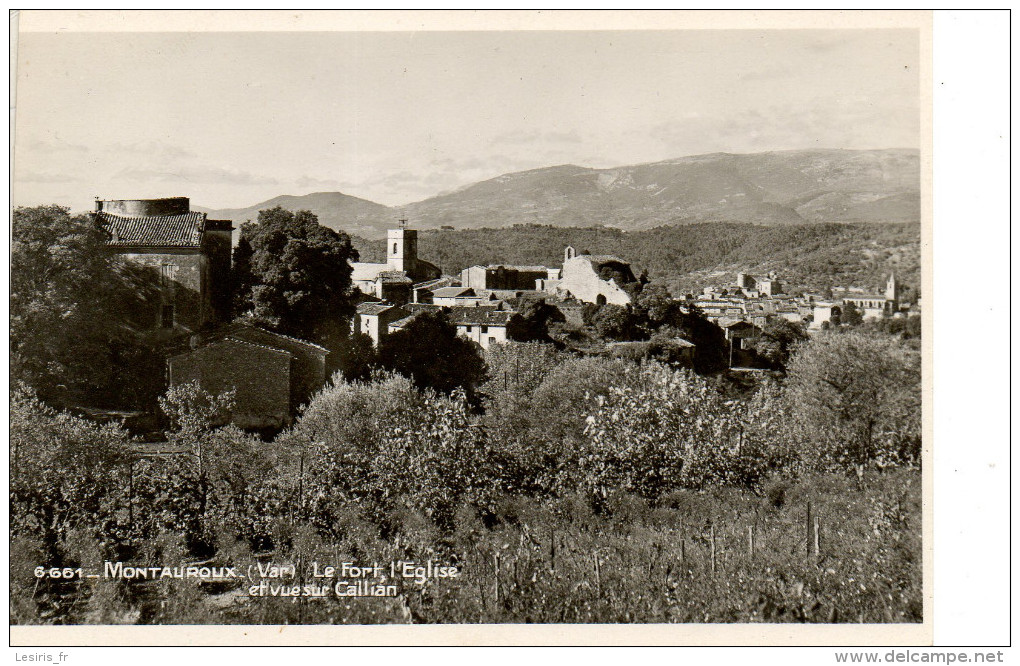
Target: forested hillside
815	255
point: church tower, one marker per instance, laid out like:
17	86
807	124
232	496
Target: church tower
402	249
892	293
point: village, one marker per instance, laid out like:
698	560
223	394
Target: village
271	374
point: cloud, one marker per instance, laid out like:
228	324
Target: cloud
533	136
449	164
52	147
209	175
41	177
844	123
152	149
766	74
311	181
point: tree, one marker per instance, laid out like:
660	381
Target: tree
711	348
614	322
295	276
65	472
70	304
515	371
855	398
532	321
429	351
906	328
551	448
241	276
851	315
357	357
777	340
655	308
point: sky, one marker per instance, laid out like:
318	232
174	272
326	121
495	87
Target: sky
233	119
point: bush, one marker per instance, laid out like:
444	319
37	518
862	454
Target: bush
65	471
381	445
855	399
662	429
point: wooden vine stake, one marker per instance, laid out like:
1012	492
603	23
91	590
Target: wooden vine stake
807	530
495	560
712	540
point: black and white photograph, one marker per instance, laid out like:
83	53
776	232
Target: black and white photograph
338	326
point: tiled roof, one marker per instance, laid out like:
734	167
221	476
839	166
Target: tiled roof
497	294
452	292
740	323
253	344
231	339
241	328
521	269
863	297
445	281
421	307
374	308
401	323
394	277
183	230
481	316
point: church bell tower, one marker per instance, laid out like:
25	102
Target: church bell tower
892	294
402	249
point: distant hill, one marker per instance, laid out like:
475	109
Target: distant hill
765	188
335	210
776	188
686	256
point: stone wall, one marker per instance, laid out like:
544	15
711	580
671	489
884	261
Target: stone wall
308	372
259	376
584	284
179	279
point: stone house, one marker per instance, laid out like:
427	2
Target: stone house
423	291
178	258
374	319
179	262
499	276
272	374
486	326
454	297
822	312
259	376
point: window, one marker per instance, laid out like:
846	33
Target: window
394	248
167	317
492	341
468	329
485	329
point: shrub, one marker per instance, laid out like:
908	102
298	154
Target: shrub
382	445
854	399
662	429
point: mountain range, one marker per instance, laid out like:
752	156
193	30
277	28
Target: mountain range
772	188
